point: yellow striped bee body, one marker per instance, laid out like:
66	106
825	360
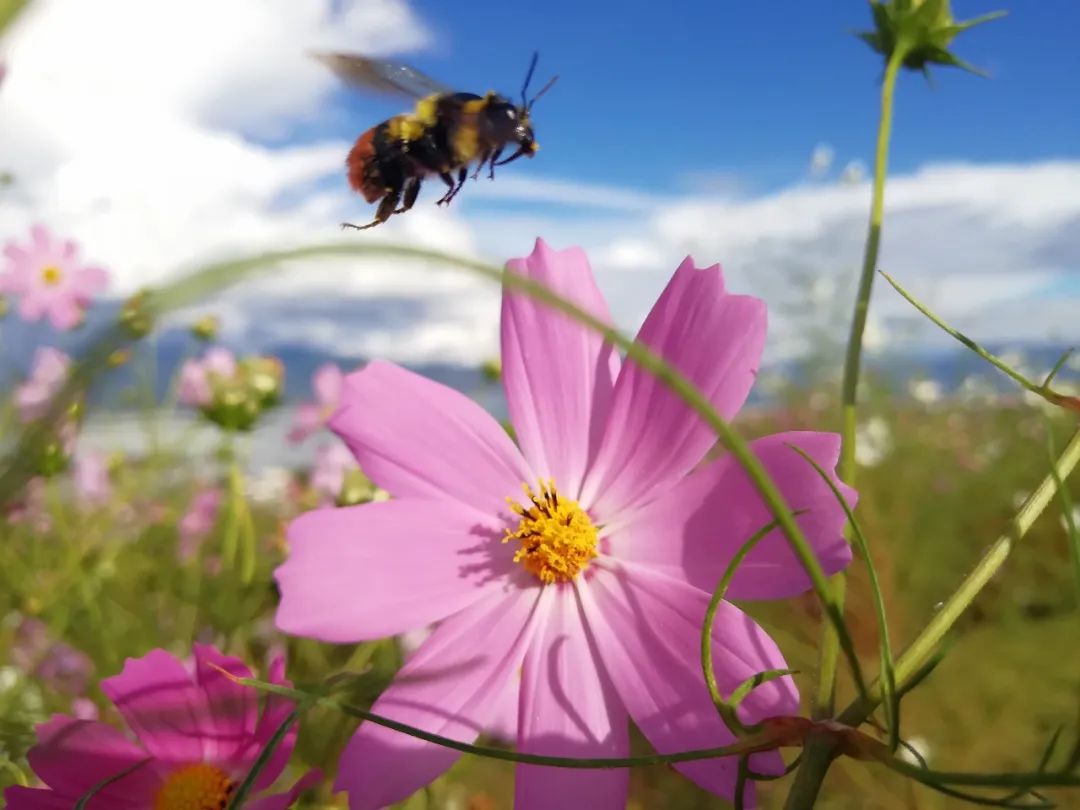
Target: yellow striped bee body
445	134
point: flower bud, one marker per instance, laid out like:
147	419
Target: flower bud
206	328
135	315
921	30
492	369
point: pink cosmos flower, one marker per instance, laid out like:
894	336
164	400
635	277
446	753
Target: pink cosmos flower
196	389
198	521
47	376
326	382
581	602
196	734
50	279
93	486
332	461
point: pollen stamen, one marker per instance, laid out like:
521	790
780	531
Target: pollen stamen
51	275
195	787
558	538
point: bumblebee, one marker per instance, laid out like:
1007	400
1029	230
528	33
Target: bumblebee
446	134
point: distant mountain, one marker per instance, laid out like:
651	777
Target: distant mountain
157	359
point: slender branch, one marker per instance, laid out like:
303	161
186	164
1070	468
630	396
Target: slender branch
922	648
816	762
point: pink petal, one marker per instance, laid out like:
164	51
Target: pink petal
86	282
41	238
220	361
16	255
693	530
379	569
24	798
652	438
327	383
445	689
159	701
558	374
307	420
64	312
648	629
417	438
230	710
34	304
568	708
73	756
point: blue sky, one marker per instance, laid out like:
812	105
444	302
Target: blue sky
743	91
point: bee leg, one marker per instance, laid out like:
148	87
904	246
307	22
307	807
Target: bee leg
383	212
492	161
449	195
412	191
480	166
462	176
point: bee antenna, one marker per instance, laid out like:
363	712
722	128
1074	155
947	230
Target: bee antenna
544	89
528	78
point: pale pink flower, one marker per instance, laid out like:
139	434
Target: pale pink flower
47	376
90	473
196	376
582	607
332	461
55	664
50	279
198	521
311	416
84	709
197	733
31	508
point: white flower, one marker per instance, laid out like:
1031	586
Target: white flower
1075	519
925	391
271	485
821	160
854	172
873	442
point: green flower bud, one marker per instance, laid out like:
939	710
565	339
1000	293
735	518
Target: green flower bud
206	328
921	30
492	369
356	488
135	315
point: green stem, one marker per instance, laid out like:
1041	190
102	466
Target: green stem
818	754
922	648
765	741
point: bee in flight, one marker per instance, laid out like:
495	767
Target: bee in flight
446	133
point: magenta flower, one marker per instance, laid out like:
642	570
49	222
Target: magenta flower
50	279
47	376
197	735
326	382
198	521
332	461
90	473
197	376
581	602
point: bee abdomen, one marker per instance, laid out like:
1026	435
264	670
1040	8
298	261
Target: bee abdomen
363	167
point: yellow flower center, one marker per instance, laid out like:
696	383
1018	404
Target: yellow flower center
51	275
558	539
196	787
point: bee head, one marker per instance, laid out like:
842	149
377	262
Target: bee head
508	123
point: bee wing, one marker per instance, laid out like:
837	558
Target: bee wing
380	76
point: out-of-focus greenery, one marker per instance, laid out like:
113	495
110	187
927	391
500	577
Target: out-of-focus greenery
113	581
